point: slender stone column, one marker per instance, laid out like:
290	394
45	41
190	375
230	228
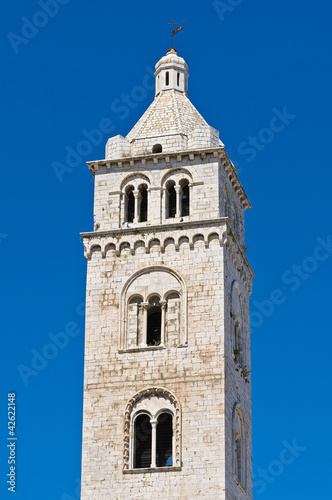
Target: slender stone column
137	196
163	321
178	201
154	423
191	197
145	306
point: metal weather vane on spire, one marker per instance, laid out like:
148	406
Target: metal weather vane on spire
174	31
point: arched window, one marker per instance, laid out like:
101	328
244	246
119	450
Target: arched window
185	202
157	148
133	331
178	79
227	202
236	217
239	447
237	337
143	203
153	310
171	200
178	201
130	204
153	328
136	204
154	323
142	441
237	326
167	77
164	440
152	430
153	449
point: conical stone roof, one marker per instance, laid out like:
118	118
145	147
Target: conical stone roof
171	121
170	113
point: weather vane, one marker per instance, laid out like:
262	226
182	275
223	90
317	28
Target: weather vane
174	31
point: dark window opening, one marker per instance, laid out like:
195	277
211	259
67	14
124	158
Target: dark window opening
142	455
185	200
157	148
144	204
130	206
171	202
153	334
164	440
238	459
227	202
236	337
167	78
178	79
238	348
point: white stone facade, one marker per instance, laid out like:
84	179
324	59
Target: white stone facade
192	264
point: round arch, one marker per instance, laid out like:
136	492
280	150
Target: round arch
135	179
172	174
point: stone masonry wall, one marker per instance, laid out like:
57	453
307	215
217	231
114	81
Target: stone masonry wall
207	180
206	250
193	373
109	190
237	390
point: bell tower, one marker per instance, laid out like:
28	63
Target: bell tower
167	389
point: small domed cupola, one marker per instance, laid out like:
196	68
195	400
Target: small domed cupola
171	73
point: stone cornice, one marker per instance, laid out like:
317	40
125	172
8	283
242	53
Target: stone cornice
167	157
118	239
234	180
178	156
168	228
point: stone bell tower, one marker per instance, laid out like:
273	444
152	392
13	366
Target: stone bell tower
167	392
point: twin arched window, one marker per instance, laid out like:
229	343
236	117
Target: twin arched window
177	199
152	430
153	309
153	441
136	204
238	347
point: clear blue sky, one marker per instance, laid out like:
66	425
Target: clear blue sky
247	64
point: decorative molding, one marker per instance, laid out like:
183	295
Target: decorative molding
135	178
154	157
221	227
145	393
141	233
